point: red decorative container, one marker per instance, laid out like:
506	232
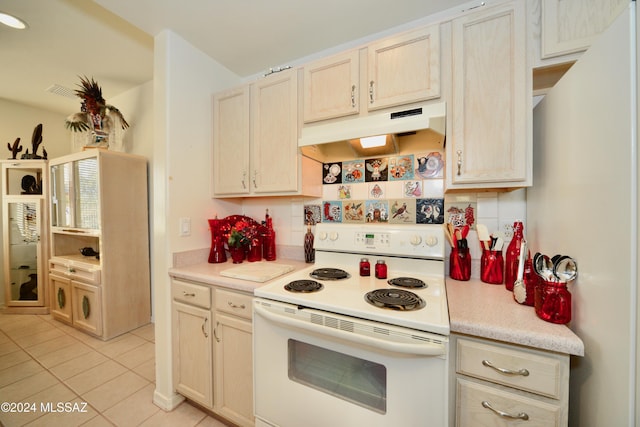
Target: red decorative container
460	264
217	253
552	302
255	250
492	267
237	254
513	256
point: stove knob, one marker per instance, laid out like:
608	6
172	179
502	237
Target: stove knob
431	241
322	235
333	236
415	240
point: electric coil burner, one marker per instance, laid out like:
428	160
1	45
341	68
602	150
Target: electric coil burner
304	286
395	299
329	274
407	282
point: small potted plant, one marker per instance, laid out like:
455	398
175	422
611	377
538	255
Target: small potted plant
241	237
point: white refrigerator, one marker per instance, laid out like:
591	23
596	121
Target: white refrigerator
584	203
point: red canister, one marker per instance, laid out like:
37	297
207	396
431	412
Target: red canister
381	269
365	267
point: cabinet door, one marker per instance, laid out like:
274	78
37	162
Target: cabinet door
490	142
331	87
570	26
234	369
192	353
87	307
23	253
404	69
231	137
61	298
274	142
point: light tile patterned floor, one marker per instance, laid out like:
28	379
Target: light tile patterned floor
43	362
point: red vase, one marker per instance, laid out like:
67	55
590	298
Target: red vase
237	254
255	251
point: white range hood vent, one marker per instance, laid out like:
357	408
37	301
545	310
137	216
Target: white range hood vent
339	140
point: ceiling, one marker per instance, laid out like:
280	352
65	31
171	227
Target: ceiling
112	40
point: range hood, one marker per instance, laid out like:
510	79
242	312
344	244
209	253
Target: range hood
409	129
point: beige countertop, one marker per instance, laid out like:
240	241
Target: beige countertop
210	274
475	308
489	311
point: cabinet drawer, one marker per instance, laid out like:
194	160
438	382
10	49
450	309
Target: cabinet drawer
479	405
529	370
234	303
84	272
191	293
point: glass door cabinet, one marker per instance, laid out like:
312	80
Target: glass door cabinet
24	236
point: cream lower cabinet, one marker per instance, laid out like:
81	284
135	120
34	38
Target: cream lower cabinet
489	136
76	294
233	359
498	384
212	349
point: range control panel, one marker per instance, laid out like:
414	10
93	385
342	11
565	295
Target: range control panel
415	241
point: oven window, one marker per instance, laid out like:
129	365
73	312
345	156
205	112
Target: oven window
349	378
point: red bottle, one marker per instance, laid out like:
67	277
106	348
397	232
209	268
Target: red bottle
513	256
381	269
365	267
269	240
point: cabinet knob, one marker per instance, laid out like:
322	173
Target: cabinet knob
459	152
244	176
353	96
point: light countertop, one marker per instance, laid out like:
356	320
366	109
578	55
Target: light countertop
210	274
489	311
475	308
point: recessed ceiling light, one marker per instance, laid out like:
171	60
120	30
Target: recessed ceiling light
12	21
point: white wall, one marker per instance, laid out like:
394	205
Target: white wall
184	81
19	120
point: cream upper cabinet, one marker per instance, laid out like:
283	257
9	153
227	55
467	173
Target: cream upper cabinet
489	141
404	68
255	141
570	26
331	87
231	136
394	71
274	137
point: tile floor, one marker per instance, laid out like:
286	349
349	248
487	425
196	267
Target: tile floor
99	383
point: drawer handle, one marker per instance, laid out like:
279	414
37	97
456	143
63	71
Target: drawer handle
232	305
521	416
523	372
185	294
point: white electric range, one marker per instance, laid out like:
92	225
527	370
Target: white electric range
339	356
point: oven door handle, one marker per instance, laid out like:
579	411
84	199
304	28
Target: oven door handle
422	349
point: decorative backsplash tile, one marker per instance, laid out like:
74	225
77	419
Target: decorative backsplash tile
405	189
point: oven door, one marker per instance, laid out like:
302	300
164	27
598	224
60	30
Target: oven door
314	368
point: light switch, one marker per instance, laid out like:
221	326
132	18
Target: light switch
185	226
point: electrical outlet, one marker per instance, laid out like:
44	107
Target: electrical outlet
507	230
185	227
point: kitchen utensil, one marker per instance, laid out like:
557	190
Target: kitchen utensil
543	266
565	268
519	290
483	235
